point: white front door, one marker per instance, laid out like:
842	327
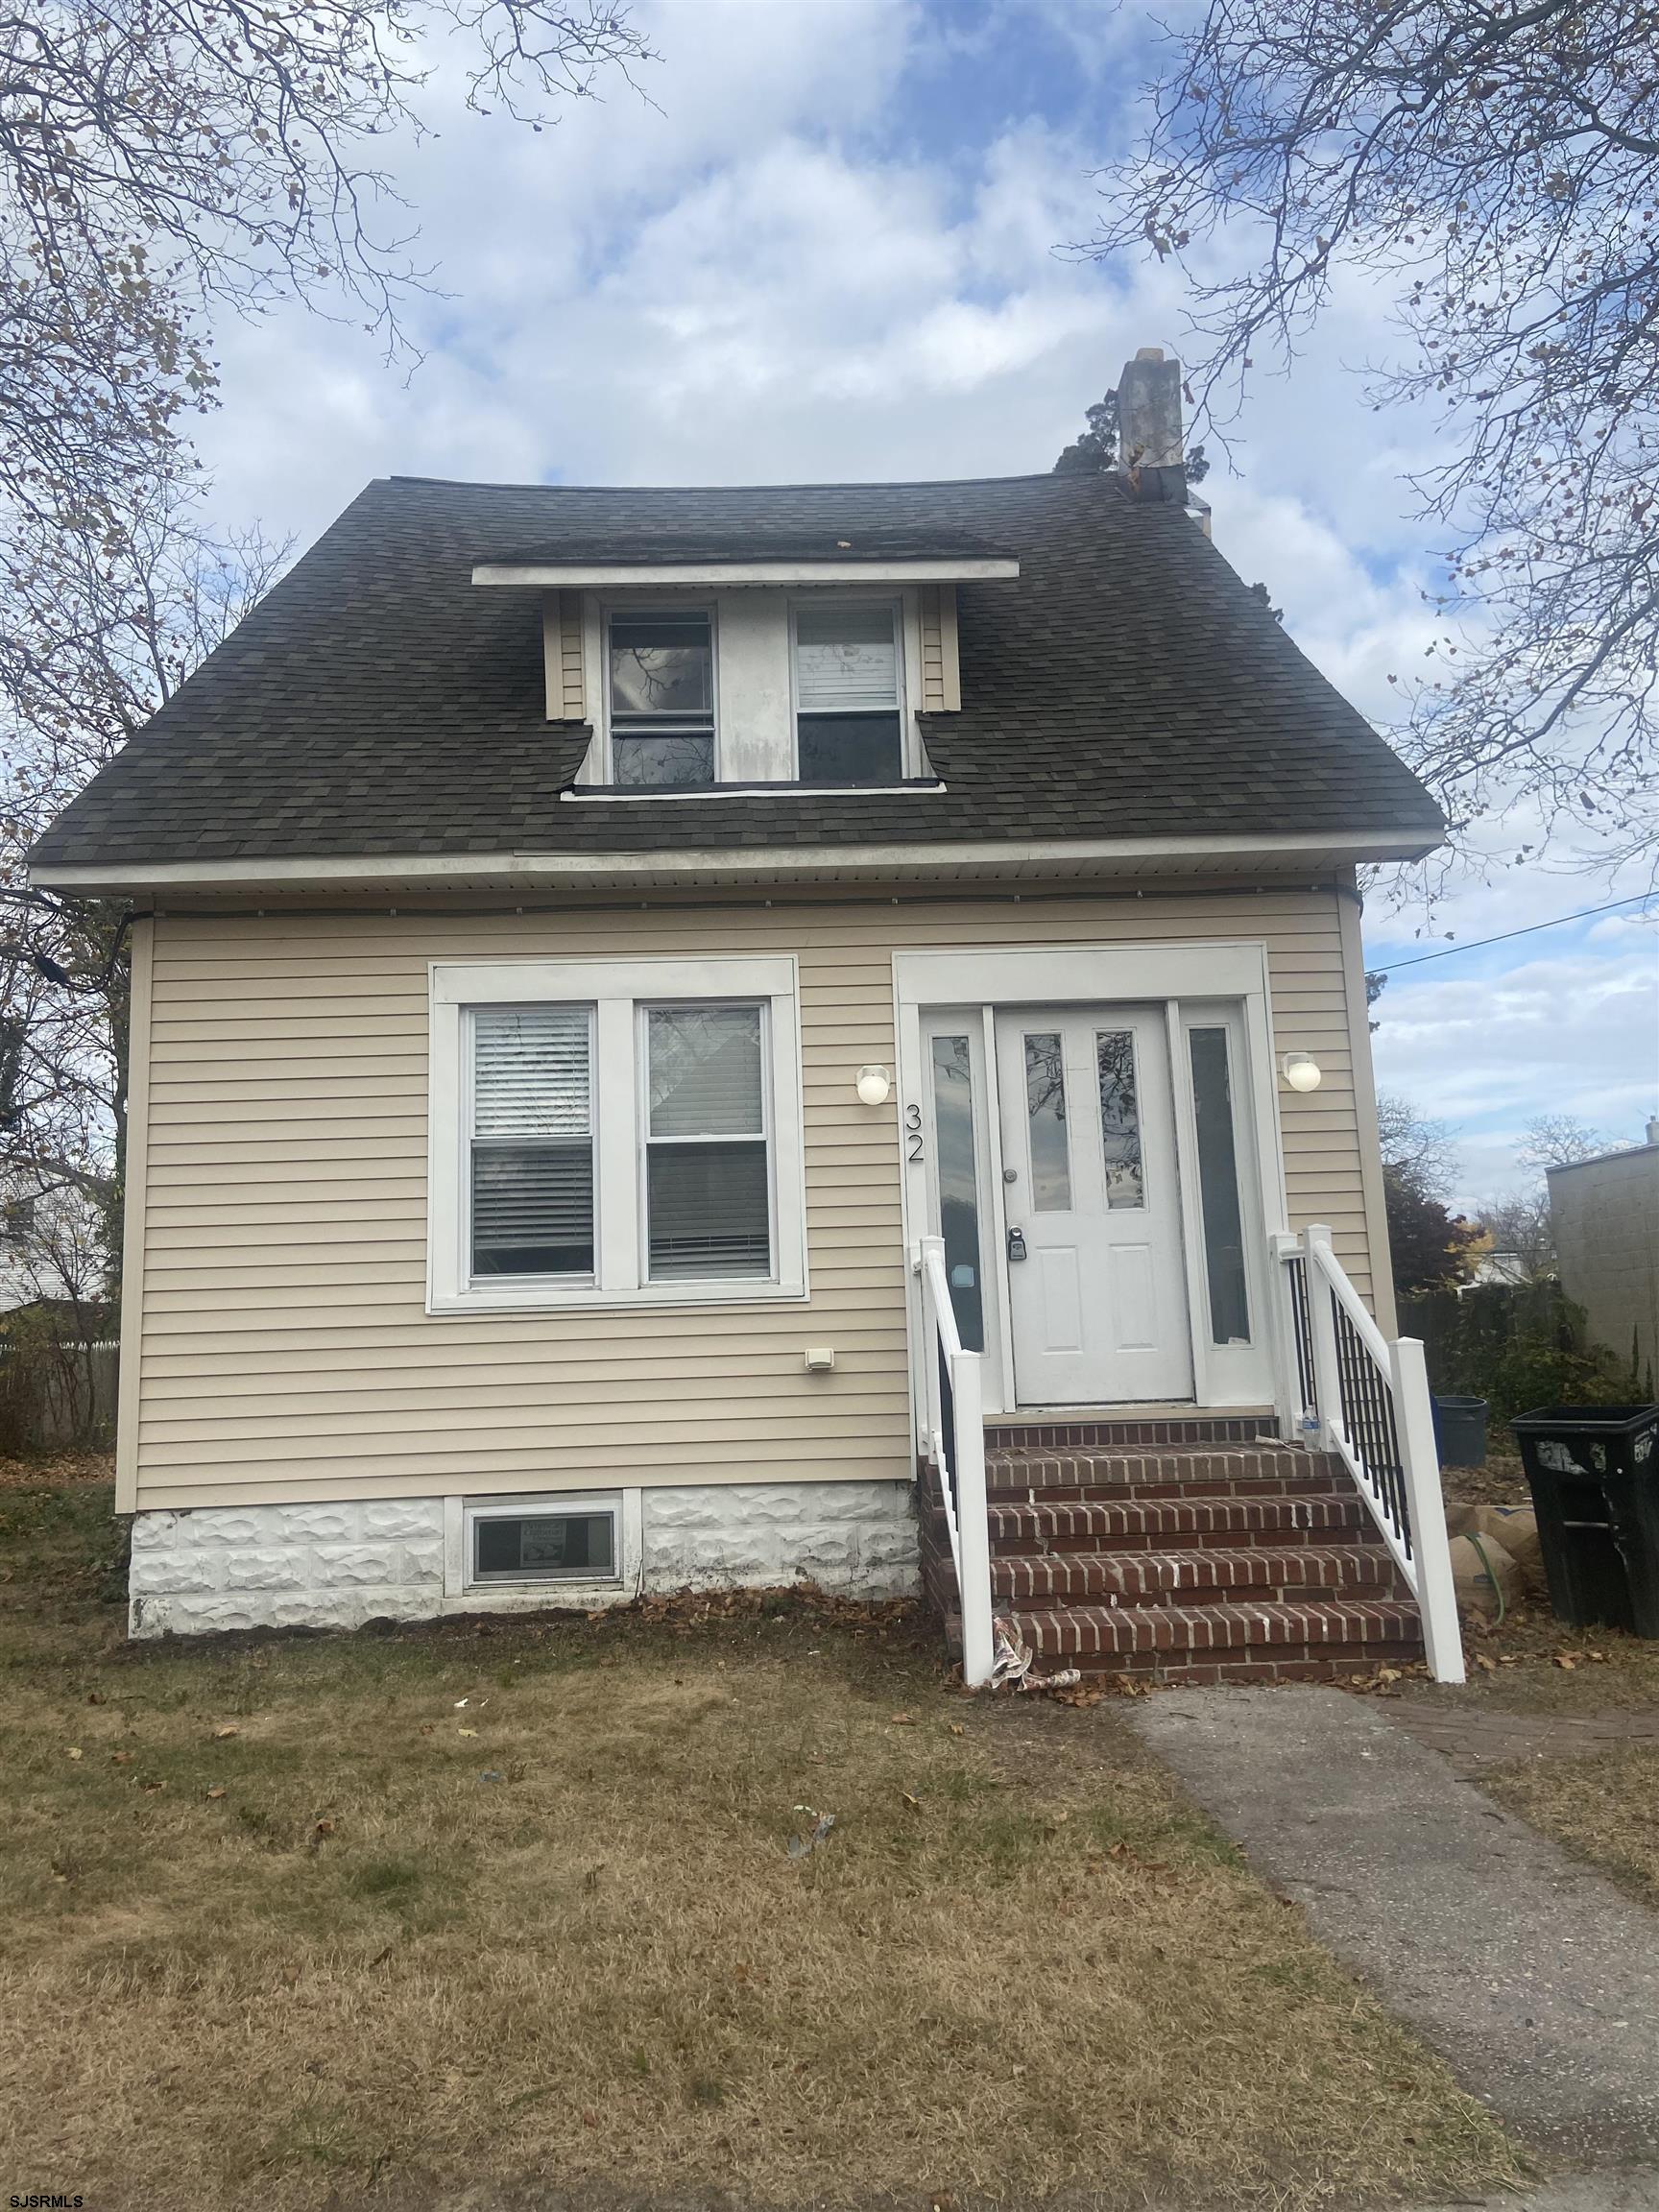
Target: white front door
1095	1282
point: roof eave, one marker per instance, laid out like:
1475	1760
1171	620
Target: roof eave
717	867
598	576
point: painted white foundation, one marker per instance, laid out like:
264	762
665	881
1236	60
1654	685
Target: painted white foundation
338	1566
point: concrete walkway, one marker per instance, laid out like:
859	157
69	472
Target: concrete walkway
1536	1980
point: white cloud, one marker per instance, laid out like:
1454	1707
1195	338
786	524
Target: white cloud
797	265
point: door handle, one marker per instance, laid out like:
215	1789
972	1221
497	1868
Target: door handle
1016	1243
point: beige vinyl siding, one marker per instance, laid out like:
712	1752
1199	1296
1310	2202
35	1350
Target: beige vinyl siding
283	1349
941	681
561	655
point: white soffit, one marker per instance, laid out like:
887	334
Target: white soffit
590	576
1060	860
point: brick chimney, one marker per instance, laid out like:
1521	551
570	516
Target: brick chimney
1151	458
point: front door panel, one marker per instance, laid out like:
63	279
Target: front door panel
1099	1303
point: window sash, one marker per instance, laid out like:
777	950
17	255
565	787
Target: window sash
729	1144
531	1084
868	698
679	737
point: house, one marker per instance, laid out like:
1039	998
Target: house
1604	1216
729	1035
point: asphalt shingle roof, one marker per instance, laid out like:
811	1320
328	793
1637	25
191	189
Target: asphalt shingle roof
1128	685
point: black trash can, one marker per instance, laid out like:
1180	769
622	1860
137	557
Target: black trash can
1593	1474
1460	1432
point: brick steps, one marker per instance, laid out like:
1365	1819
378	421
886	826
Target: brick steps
1192	1578
1158	1523
1272	1641
1182	1551
1265	1471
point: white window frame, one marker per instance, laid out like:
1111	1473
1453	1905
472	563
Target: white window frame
658	606
900	606
617	990
462	1592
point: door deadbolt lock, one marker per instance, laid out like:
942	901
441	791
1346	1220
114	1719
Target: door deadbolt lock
1016	1243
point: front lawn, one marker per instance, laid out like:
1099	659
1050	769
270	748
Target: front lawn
500	1910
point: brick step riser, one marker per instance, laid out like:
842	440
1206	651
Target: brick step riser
1202	1466
1130	1435
1041	1544
1002	1490
1173	1525
1020	1592
1244	1662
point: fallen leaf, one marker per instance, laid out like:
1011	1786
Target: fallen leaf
76	1752
1487	1666
900	1719
230	1729
152	1787
1566	1661
217	1790
122	1758
466	1731
1387	1673
957	1729
914	1803
324	1828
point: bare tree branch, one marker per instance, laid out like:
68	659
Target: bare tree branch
1494	169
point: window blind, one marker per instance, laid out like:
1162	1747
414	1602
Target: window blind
532	1180
846	659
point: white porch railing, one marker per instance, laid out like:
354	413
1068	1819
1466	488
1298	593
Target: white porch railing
951	1410
1345	1389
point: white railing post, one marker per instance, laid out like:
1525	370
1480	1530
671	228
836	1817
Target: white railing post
927	1397
1425	1504
1322	1332
974	1578
1282	1248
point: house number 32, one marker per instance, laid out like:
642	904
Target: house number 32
913	1132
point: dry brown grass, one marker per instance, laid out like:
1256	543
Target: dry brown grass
1605	1809
325	1960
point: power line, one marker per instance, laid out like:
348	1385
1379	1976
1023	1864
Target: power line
1532	928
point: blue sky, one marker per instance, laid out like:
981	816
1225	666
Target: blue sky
827	250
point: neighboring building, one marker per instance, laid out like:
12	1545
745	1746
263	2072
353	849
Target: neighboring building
1510	1269
1605	1213
591	938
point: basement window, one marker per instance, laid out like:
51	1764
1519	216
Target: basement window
545	1540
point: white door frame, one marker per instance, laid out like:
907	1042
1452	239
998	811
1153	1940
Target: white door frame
1230	975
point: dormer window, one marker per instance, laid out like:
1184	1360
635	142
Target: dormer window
661	669
849	700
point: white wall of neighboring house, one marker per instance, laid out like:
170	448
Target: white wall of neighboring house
1605	1213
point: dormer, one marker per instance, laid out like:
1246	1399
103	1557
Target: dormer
786	665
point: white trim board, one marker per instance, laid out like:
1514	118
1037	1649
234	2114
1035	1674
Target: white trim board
594	576
916	863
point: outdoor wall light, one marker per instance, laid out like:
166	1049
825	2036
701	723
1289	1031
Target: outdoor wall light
1302	1071
875	1086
